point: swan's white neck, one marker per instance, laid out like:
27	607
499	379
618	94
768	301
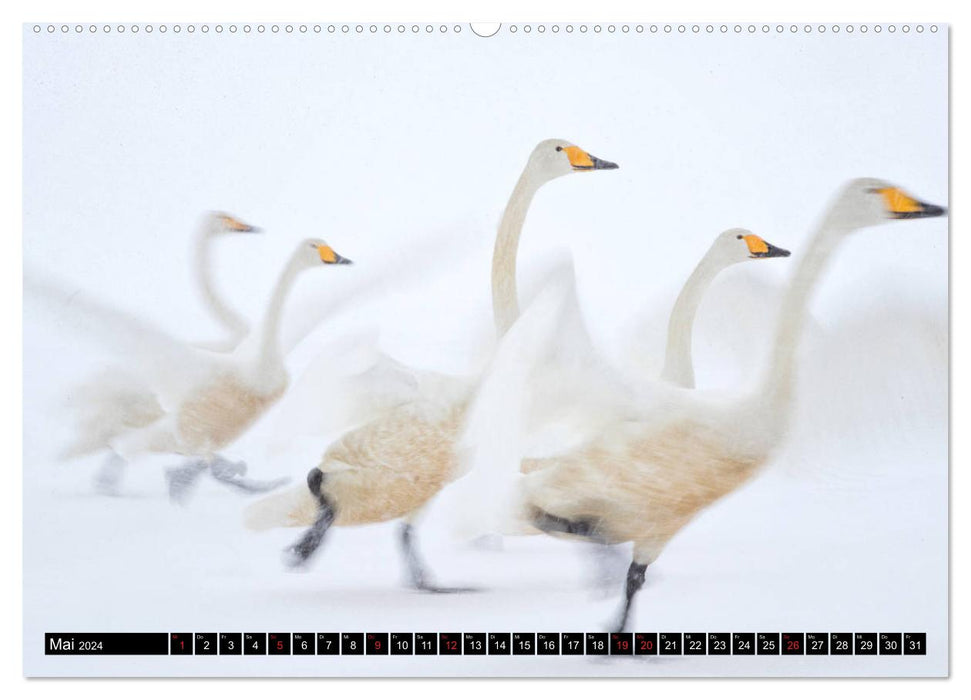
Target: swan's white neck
777	390
678	366
505	302
232	321
270	355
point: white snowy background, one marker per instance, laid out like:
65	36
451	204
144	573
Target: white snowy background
387	145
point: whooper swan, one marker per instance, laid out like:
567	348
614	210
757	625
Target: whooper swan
222	395
390	467
117	400
661	456
730	247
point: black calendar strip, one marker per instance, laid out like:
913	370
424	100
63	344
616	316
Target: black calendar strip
489	644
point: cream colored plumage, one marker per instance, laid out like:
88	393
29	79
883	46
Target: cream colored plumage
729	248
658	454
393	465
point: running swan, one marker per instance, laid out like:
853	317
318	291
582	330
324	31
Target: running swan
224	394
390	467
663	456
116	400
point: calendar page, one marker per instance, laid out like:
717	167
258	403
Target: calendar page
547	349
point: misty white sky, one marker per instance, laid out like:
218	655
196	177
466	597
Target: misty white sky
374	141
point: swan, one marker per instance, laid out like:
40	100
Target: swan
729	248
116	400
660	454
214	226
488	494
389	468
219	395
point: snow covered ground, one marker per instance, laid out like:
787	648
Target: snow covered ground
380	146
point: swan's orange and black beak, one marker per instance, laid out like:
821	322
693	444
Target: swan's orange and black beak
760	248
581	160
236	226
925	211
329	256
901	205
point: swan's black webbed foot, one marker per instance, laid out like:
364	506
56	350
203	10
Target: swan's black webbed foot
635	579
181	480
418	577
233	474
300	552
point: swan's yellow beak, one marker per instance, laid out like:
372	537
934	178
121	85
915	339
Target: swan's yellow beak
329	257
581	160
231	223
901	205
760	248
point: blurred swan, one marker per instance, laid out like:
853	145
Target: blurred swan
117	400
730	247
214	226
391	466
650	458
205	400
236	388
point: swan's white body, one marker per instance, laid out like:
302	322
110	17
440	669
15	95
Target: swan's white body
222	394
571	372
391	466
652	457
117	400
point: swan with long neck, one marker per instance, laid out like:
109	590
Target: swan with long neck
551	159
390	467
214	226
642	479
232	390
730	248
117	401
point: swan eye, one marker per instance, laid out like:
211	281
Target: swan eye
559	148
739	236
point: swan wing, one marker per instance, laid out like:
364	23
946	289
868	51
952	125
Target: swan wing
570	391
375	279
546	392
347	382
159	359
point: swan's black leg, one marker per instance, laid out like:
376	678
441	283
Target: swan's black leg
232	474
547	522
108	478
299	552
416	570
182	479
635	579
609	567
